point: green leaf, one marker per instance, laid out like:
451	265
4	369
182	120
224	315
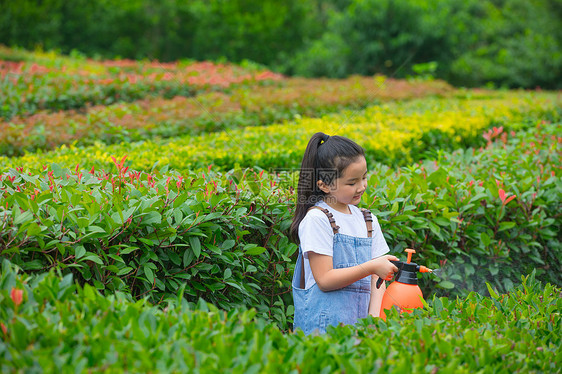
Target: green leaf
146	241
151	218
251	269
434	228
57	170
79	252
485	239
174	257
227	244
492	292
506	226
441	221
24	217
394	208
446	284
149	274
195	245
94	258
128	250
90	292
254	250
227	273
125	270
187	257
33	229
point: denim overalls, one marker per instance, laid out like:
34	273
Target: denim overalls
316	309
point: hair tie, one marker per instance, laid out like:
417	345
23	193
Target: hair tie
325	138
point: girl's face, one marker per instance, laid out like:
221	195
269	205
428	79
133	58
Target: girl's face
348	188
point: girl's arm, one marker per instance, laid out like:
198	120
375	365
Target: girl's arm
328	279
376	296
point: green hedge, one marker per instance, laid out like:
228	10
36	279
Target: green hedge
489	214
223	236
55	325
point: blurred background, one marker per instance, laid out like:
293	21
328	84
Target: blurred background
493	43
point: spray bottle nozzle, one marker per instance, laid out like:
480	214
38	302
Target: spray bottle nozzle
423	269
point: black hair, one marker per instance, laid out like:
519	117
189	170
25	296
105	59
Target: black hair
325	159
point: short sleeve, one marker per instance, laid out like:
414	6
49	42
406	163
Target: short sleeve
379	243
316	234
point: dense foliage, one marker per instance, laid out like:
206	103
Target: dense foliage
52	82
475	214
50	324
155	237
396	133
513	43
38	98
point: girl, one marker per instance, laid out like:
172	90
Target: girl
341	246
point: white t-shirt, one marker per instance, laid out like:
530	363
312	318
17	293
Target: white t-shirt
316	234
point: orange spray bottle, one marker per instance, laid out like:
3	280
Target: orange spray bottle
404	293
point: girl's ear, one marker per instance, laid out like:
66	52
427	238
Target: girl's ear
323	186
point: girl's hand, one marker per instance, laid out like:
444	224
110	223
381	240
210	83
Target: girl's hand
382	266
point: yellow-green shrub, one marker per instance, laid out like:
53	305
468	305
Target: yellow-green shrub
395	133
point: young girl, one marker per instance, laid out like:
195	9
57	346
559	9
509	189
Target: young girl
341	246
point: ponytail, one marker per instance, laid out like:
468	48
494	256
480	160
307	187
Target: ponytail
325	159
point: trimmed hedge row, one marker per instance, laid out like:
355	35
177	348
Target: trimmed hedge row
489	214
231	108
51	82
393	133
223	236
50	324
219	237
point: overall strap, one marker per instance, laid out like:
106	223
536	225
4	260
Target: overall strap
368	221
330	216
335	228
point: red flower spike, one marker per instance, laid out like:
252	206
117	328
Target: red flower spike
4	328
502	195
17	296
509	199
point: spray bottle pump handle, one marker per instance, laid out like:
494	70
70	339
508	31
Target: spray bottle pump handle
410	253
398	264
